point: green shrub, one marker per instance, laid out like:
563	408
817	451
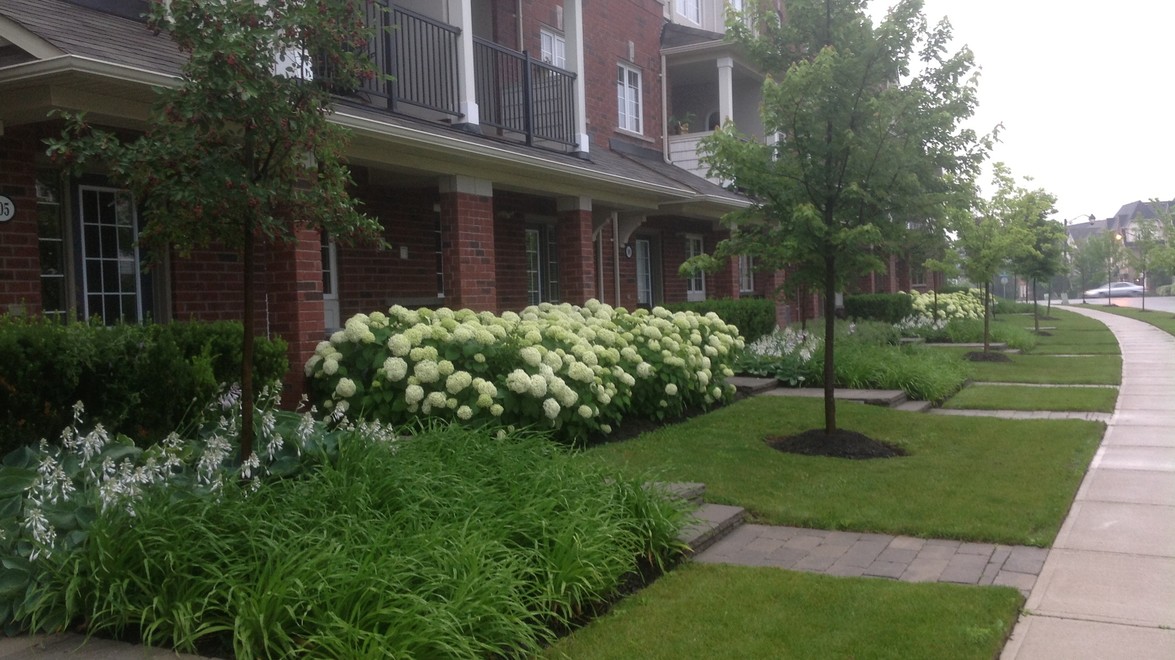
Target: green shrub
136	380
968	331
864	359
887	307
754	317
1005	306
450	543
1166	290
945	306
575	370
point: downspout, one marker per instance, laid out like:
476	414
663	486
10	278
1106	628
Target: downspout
616	255
664	114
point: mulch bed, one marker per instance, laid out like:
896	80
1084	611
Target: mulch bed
841	444
989	356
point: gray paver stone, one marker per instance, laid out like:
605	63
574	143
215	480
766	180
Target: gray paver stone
989	573
863	553
1026	560
985	549
903	555
808	542
1022	581
842	538
1001	554
906	543
764	545
929	551
815	563
964	569
924	570
834	550
786	557
781	533
886	569
842	569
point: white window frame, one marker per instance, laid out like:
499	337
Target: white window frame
691	10
644	272
553	47
695	285
628	98
130	259
746	273
330	283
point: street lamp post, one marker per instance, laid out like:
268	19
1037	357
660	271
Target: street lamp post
1113	243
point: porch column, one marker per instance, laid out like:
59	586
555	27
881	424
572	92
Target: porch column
467	239
725	88
461	16
577	264
573	41
293	304
736	279
20	256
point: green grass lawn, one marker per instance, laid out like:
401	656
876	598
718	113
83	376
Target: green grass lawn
979	479
1012	397
1090	370
1164	321
711	611
1071	333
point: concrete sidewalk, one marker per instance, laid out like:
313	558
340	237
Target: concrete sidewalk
1107	589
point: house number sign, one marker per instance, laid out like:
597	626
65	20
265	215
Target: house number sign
7	209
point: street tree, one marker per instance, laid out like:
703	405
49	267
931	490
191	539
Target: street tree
1087	259
994	233
870	140
1047	237
241	152
1147	244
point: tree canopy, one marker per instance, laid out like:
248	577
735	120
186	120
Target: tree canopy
870	142
241	152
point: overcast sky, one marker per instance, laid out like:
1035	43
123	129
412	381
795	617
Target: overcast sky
1085	91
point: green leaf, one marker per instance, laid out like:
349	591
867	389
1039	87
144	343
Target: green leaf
15	481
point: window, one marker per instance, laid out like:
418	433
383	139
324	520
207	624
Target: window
644	273
330	283
628	97
554	48
51	240
690	9
542	265
110	257
695	285
746	273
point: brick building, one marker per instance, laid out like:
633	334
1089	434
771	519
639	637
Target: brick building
521	154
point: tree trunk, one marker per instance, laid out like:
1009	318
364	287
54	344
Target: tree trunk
829	340
1144	292
1035	310
986	316
247	343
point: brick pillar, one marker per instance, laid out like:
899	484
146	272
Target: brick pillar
294	304
784	314
734	278
20	261
577	263
467	235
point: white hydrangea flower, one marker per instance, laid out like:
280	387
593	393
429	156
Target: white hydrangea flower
345	388
330	366
399	345
538	386
413	394
426	371
464	413
671	389
518	381
395	368
531	356
585	412
496	410
551	408
458	381
437	399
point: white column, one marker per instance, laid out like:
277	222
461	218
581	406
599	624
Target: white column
573	38
461	16
725	88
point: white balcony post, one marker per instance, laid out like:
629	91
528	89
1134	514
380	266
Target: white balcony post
461	16
725	88
573	37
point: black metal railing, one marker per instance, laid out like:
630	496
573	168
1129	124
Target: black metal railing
519	94
423	62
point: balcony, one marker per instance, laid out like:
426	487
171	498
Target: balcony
418	57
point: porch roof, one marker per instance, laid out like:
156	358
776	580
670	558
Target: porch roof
65	45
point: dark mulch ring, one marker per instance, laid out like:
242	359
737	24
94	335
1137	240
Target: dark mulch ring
1042	333
989	356
841	444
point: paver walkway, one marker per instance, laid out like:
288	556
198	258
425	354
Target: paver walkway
879	555
1107	589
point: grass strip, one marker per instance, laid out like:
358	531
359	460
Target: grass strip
1047	369
714	611
1164	321
970	478
1011	397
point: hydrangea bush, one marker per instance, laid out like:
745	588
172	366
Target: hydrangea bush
576	370
958	305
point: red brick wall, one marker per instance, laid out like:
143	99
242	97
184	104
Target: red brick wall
371	279
576	262
207	286
608	27
468	243
20	263
295	304
510	213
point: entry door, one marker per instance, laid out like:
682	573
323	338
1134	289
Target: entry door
695	288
